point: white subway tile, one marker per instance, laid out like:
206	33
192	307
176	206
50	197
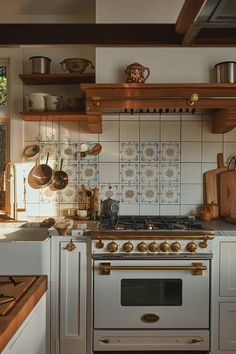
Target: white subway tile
210	151
170	131
191	172
108	172
191	131
110	131
149	131
191	152
110	152
191	193
129	131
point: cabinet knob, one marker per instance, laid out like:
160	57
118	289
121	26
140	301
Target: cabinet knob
70	246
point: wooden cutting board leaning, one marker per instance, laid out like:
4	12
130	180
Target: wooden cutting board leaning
228	190
211	181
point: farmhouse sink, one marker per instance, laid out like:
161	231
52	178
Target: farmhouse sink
15	234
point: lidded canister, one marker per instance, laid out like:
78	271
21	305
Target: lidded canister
40	65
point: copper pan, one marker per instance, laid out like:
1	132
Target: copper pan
59	180
42	174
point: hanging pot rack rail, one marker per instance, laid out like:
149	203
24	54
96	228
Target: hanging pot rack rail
219	98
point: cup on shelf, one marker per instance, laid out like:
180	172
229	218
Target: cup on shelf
36	101
82	213
75	103
53	103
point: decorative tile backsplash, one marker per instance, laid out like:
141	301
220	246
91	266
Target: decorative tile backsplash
153	164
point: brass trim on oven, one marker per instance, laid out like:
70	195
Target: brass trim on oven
172	235
196	268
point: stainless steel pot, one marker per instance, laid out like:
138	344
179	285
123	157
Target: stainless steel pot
226	72
40	65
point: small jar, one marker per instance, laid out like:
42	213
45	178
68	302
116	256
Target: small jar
214	209
205	215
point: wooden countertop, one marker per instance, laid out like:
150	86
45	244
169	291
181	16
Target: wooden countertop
10	323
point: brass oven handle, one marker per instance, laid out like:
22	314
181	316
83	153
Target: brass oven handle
196	268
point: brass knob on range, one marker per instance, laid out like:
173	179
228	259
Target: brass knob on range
142	247
175	246
164	246
191	246
153	246
112	247
128	247
100	244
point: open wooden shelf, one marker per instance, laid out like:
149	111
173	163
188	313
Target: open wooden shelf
219	98
57	78
57	116
89	123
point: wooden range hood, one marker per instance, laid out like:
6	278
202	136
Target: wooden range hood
220	99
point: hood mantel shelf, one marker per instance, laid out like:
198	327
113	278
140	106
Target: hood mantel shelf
219	98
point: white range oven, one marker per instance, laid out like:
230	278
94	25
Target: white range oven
151	290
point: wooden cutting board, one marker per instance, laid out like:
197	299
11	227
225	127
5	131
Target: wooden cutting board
227	193
211	182
15	290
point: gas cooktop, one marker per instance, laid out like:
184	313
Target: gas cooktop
138	223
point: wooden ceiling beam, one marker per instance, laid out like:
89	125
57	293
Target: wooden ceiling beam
89	34
186	19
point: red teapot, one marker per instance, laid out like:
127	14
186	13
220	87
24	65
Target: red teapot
136	73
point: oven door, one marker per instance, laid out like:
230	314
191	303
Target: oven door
151	294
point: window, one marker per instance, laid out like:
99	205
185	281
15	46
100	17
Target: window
3	85
4	129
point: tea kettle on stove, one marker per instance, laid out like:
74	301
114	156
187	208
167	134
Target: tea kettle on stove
110	208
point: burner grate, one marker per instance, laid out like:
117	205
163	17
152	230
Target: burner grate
136	223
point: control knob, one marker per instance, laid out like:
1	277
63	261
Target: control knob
153	246
100	244
175	246
191	246
112	247
164	246
142	247
128	247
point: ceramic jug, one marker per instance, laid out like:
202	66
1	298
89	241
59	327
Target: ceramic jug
136	73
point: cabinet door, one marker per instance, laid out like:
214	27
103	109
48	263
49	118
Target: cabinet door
227	269
73	299
227	326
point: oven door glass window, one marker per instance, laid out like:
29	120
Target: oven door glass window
151	292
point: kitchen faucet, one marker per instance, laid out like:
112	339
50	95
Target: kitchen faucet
4	188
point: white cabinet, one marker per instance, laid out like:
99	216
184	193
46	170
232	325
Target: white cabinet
227	268
223	306
30	338
227	326
69	269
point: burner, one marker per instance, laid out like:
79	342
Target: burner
150	223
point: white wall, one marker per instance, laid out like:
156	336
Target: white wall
137	11
165	64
